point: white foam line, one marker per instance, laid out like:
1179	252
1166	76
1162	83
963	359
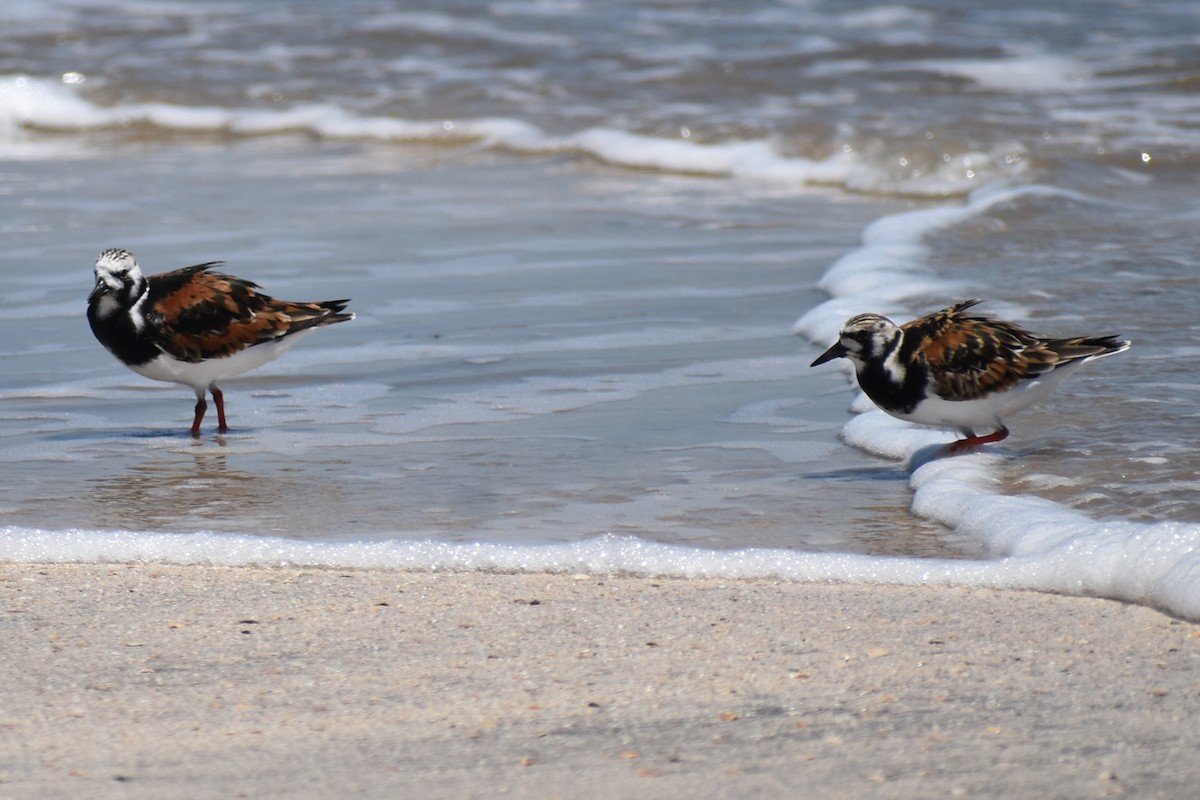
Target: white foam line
602	555
892	265
29	103
1037	73
1039	544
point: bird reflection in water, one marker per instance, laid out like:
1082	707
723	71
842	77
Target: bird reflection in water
200	490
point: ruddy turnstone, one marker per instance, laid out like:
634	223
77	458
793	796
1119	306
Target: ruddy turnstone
957	370
195	326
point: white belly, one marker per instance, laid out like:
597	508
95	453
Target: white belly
990	411
201	375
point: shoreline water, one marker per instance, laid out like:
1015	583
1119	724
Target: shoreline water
160	681
1046	545
516	374
692	512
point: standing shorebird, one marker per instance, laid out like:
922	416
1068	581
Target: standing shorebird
957	370
195	326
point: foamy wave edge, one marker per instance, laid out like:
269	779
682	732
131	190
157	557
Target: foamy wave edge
603	555
1039	545
29	105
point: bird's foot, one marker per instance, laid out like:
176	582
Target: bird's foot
962	445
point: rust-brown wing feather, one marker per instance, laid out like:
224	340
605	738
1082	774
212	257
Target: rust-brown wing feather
969	355
198	314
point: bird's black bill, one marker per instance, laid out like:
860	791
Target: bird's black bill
837	351
100	288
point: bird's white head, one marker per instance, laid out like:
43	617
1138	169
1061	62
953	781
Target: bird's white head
119	282
864	339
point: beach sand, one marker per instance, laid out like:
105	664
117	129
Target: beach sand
162	681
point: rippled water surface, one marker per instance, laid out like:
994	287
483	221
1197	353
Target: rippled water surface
577	237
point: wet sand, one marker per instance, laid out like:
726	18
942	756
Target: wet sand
162	681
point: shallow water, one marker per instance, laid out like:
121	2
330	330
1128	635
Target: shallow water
543	353
1117	441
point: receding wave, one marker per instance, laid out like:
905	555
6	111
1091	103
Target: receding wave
31	106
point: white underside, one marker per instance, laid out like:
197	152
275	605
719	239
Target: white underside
988	413
201	375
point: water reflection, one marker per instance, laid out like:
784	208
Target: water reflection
200	488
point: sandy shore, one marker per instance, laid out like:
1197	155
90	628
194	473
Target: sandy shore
196	682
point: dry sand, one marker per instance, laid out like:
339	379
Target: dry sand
153	681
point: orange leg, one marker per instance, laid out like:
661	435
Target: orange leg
201	407
999	435
219	399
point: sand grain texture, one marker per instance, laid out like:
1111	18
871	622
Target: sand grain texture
161	682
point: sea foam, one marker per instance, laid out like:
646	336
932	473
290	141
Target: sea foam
1153	564
1032	73
1038	544
30	106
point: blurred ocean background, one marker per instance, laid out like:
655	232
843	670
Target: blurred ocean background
580	238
